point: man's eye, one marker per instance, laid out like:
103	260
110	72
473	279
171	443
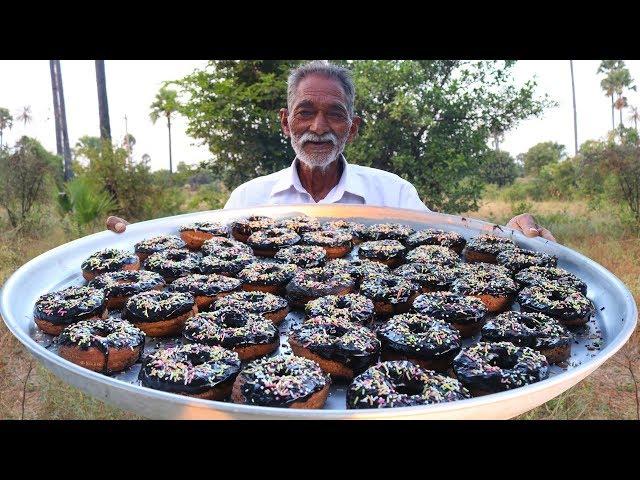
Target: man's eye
305	113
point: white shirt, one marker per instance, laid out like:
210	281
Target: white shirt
358	184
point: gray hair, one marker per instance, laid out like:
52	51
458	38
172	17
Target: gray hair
322	67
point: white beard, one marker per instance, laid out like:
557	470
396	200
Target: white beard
317	160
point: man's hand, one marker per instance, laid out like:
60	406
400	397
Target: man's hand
117	224
527	225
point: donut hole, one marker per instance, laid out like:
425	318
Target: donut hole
409	388
233	319
418	327
502	362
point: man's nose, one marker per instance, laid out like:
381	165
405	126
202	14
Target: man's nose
320	126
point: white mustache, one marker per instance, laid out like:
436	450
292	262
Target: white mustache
312	137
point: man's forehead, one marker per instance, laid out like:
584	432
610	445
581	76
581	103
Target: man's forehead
320	88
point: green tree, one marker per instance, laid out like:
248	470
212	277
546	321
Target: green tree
634	116
232	107
542	154
430	121
26	176
6	121
165	104
622	81
427	121
498	167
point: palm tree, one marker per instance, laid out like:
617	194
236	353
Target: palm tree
575	113
166	103
25	116
6	122
103	104
622	80
62	134
607	84
635	116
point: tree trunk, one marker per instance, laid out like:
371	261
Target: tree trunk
56	107
575	113
66	150
103	105
613	118
170	159
621	124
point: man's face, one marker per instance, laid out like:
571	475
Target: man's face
319	123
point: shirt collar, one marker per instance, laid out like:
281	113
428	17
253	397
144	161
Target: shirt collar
349	182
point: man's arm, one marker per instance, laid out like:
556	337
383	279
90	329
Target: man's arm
409	198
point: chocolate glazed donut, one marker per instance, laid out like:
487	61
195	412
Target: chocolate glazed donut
304	256
354	307
428	342
108	260
242	228
172	263
55	310
496	291
109	345
534	330
389	252
313	283
467	314
390	294
248	334
282	381
205	288
159	314
118	287
156	244
270	306
495	367
537	275
195	234
267	277
432	236
565	304
402	384
337	243
485	248
193	370
341	348
265	243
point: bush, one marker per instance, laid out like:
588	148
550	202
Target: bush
85	201
26	179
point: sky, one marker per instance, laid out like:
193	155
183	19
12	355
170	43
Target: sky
133	84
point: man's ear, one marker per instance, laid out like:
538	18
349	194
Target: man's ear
284	121
355	125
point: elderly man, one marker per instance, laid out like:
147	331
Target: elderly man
320	121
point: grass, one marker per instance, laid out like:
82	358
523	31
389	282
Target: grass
29	391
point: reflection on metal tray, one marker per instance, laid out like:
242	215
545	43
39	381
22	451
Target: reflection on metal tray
614	321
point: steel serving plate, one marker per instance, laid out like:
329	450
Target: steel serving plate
615	320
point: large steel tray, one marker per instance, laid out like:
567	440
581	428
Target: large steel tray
600	339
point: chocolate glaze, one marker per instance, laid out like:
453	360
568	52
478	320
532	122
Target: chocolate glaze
252	302
281	380
155	306
433	236
536	275
189	369
517	259
317	282
358	268
401	383
125	283
304	256
204	285
354	307
108	260
484	283
216	229
432	254
225	248
300	223
336	338
273	239
489	244
268	273
209	264
328	238
159	243
172	263
70	305
420	336
230	328
388	231
388	288
246	226
555	300
451	307
495	367
382	249
533	330
433	276
356	229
